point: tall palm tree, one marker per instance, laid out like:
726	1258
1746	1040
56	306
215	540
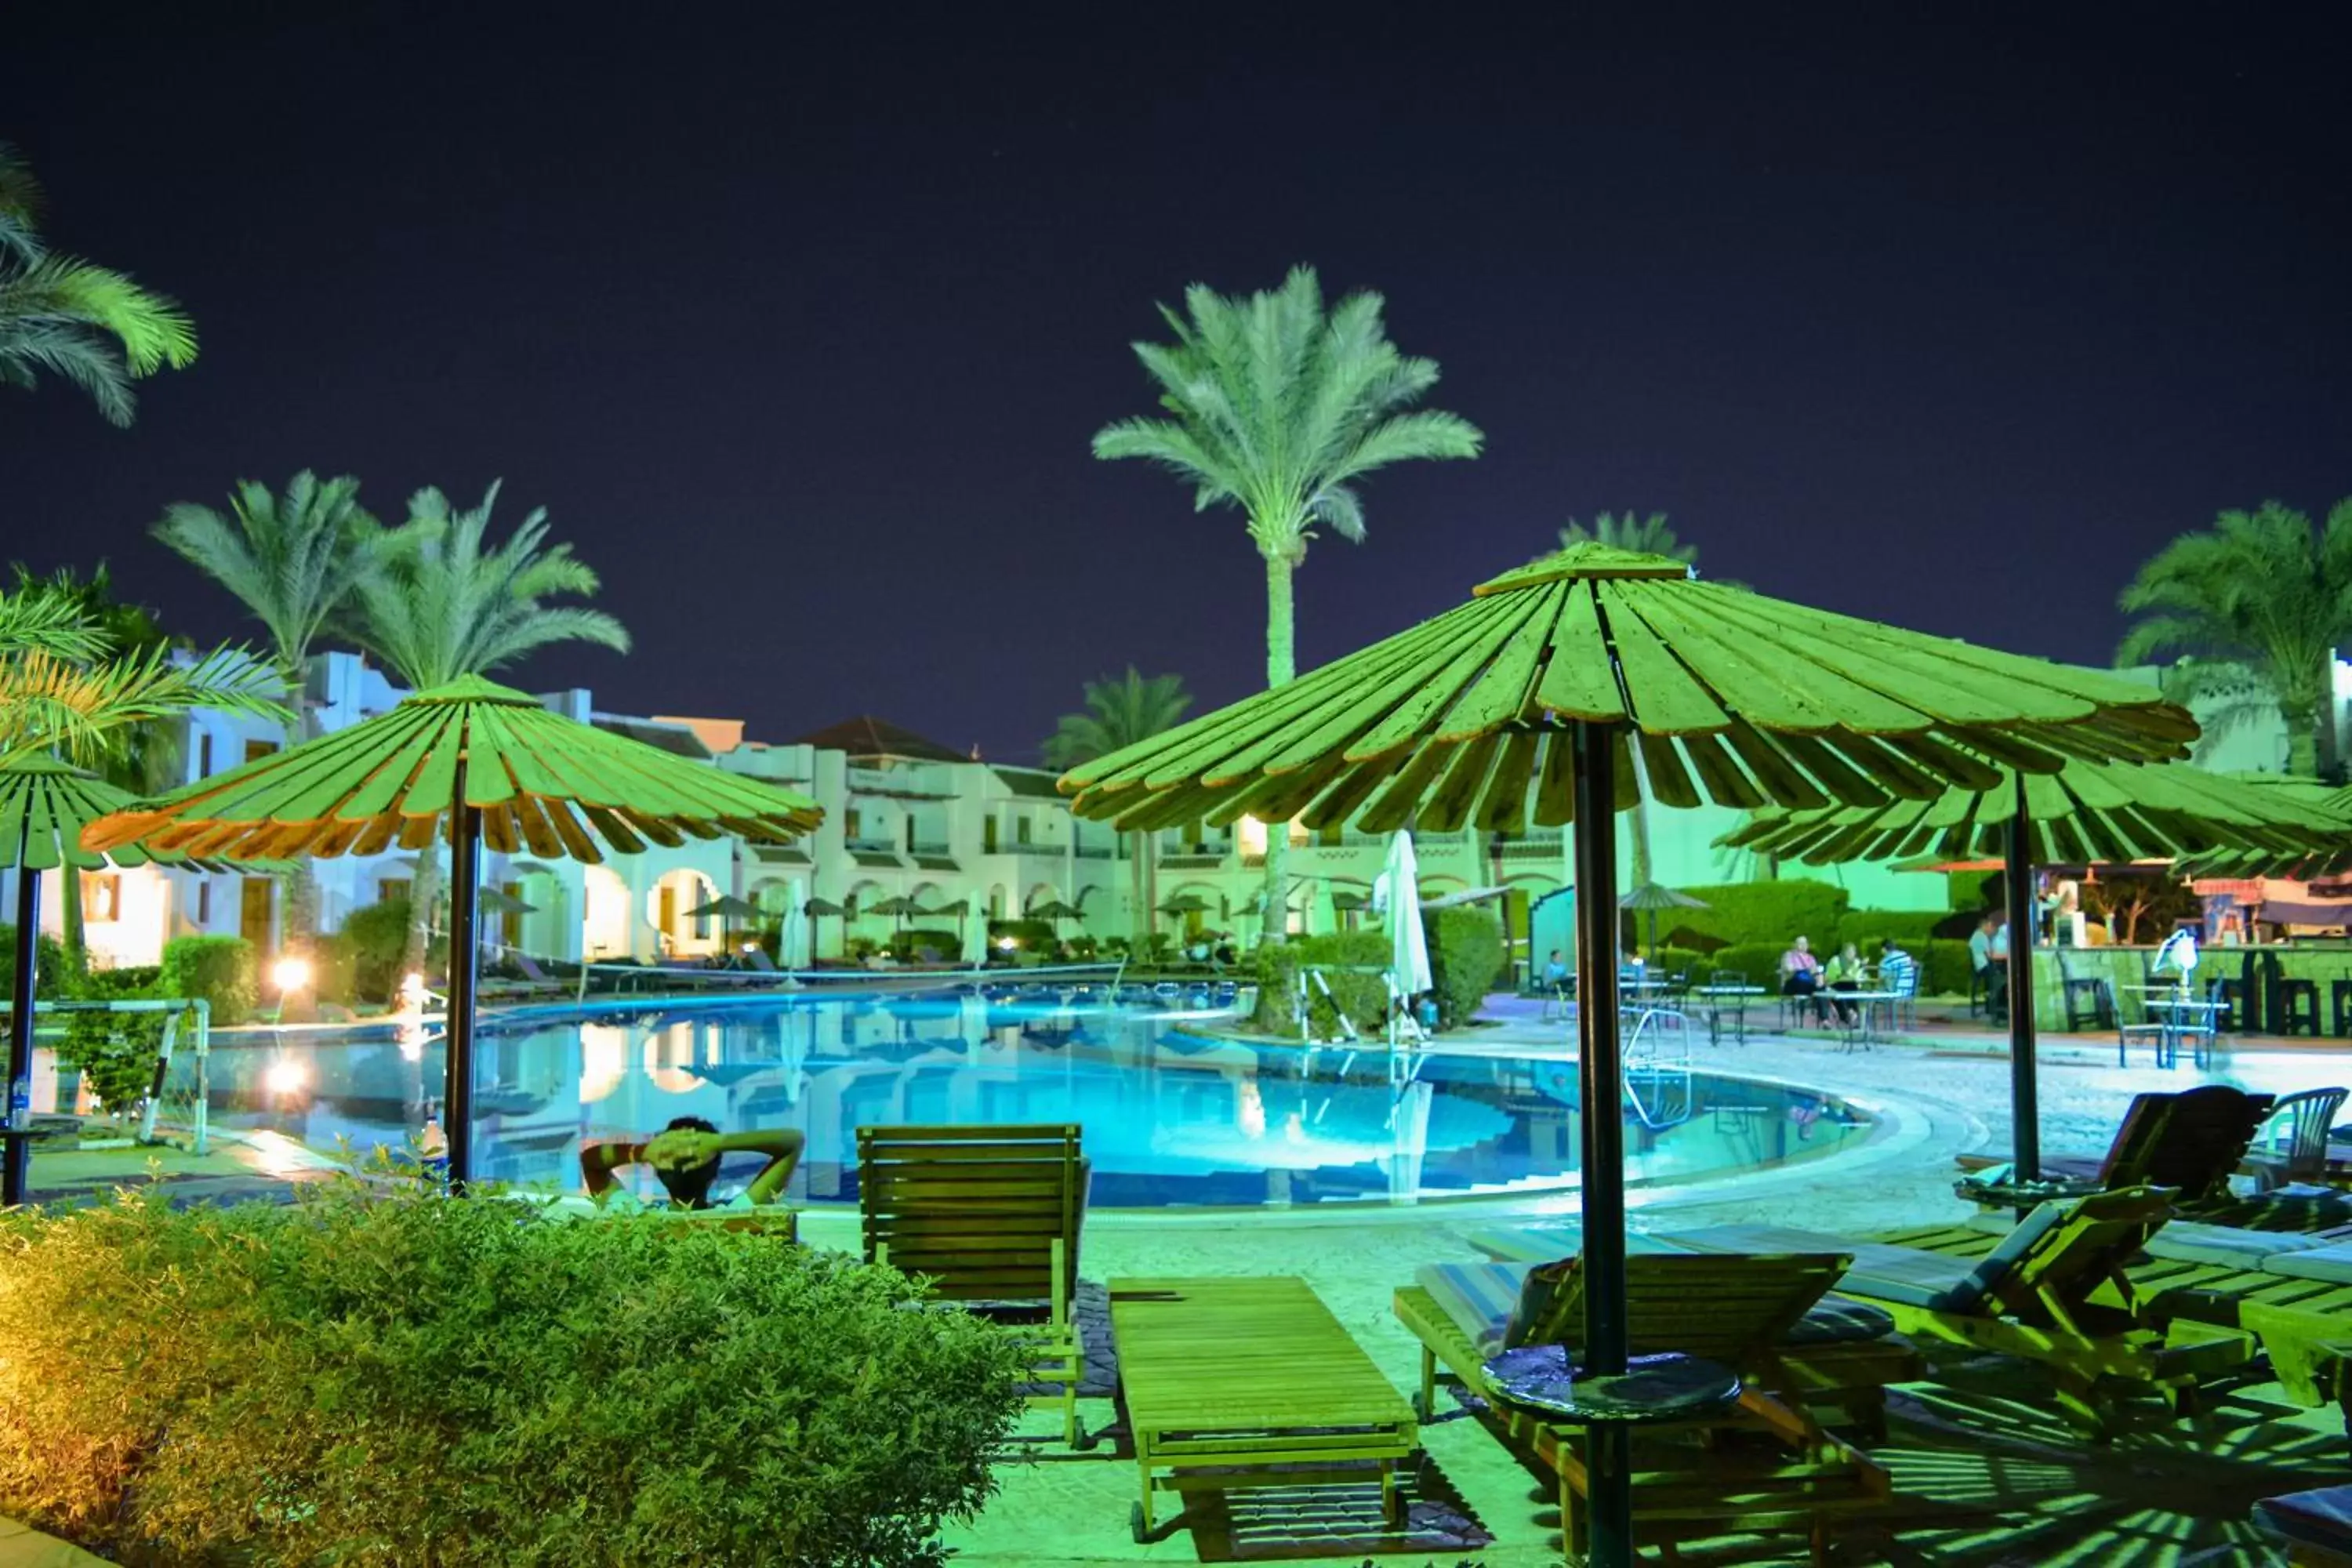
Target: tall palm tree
2263	590
293	561
1650	535
1279	407
1121	712
67	318
443	602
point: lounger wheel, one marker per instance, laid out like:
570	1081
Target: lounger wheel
1422	1406
1135	1524
1086	1441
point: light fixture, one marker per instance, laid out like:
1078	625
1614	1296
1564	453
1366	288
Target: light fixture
291	973
285	1077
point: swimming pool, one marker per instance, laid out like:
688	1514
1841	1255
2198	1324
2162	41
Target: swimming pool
1173	1116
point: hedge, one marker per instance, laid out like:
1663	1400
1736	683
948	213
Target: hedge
48	965
1751	912
115	1052
415	1380
1465	958
1363	997
374	937
218	969
942	943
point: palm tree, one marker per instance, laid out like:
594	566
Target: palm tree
2263	591
64	317
441	603
1650	535
1121	712
293	562
1279	407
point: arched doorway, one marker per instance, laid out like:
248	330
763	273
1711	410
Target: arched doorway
604	917
681	935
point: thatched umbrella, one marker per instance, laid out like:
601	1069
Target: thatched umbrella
727	909
44	807
1533	699
1649	898
472	763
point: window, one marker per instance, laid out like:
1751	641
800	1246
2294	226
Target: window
1021	829
849	822
988	834
205	755
101	896
256	749
392	889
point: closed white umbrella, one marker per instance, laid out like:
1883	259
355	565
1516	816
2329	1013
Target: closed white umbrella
793	945
975	935
1398	894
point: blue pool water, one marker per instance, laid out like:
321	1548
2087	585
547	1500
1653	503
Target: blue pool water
1171	1117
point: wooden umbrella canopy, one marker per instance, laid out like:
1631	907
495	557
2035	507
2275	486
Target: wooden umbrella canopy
472	763
1567	690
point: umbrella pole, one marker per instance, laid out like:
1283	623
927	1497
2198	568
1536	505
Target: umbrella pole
464	870
2024	1093
17	1168
1601	1092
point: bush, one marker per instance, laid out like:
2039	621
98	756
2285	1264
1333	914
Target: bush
1038	936
1754	913
905	946
375	936
115	1052
1465	959
1759	961
1946	967
1864	928
1362	997
48	965
218	969
407	1379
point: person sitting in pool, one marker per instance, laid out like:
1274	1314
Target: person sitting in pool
685	1156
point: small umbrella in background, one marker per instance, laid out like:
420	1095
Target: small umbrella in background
498	902
820	909
1649	898
476	764
1184	904
726	910
899	907
793	942
1055	910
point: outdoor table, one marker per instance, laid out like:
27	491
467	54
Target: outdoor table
1859	1034
2024	1198
1653	1389
1255	1382
1732	999
2178	1018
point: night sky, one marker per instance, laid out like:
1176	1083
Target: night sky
799	323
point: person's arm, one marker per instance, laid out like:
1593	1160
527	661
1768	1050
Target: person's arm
783	1146
599	1161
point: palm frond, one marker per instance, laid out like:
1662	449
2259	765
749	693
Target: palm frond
71	351
292	559
78	710
1120	712
151	328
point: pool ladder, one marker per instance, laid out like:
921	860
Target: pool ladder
1657	1068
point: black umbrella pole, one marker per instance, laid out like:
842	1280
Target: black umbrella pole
466	864
17	1170
1601	1092
2024	1093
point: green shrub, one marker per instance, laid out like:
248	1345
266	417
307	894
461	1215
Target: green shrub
1036	936
1864	928
334	969
218	969
410	1380
375	936
1753	913
1946	967
48	965
1465	959
115	1052
906	945
1362	997
1759	961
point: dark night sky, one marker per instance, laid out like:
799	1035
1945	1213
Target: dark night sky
799	324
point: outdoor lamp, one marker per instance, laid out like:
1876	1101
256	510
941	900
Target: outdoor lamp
291	973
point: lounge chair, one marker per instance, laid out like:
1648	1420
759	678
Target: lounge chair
1739	1311
989	1216
2030	1297
2314	1527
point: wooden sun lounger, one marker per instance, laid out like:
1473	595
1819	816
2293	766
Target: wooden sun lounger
989	1216
2030	1296
1242	1381
1732	1310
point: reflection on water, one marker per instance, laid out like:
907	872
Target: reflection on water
1171	1117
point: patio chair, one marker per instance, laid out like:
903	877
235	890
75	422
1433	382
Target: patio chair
2029	1298
1739	1311
989	1218
2314	1528
2293	1144
2190	1142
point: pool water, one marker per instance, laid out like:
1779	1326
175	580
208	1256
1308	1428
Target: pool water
1171	1115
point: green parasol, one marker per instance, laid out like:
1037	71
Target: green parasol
1057	911
474	762
898	906
44	807
727	909
1185	904
1567	690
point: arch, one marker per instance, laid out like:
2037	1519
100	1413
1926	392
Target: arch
679	934
1038	894
997	904
772	894
605	927
544	931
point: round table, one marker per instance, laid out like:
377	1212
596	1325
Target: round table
1652	1389
2024	1198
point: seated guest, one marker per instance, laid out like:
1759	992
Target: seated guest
1801	976
1988	955
1845	972
1898	972
685	1156
1555	971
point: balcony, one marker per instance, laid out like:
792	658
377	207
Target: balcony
873	852
897	783
938	857
1541	844
1093	852
1195	861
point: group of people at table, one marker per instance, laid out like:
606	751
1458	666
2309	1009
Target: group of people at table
1835	989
